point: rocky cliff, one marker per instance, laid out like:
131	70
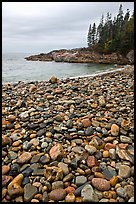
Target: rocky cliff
81	55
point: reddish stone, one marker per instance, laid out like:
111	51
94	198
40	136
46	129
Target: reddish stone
70	189
57	194
5	122
6	140
16	143
5	169
58	91
56	152
11	118
101	184
123	146
109	146
91	161
86	122
49	97
24	158
6	179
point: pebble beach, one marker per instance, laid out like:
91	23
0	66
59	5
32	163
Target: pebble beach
69	140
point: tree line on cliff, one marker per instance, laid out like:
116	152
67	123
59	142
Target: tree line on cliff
115	35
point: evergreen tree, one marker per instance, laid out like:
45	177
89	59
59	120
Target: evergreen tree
93	34
89	37
113	36
99	28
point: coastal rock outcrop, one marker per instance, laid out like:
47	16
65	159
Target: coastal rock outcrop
82	55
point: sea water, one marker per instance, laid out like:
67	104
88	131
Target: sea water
15	68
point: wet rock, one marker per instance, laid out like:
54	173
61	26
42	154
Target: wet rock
74	163
70	197
34	141
12	155
15	169
69	124
25	181
35	159
6	179
14	187
24	158
123	154
129	189
6	140
125	139
45	159
45	196
44	145
125	124
38	172
80	180
86	122
113	180
53	173
70	189
53	79
91	149
27	172
24	116
41	132
109	172
114	130
32	88
101	101
96	135
121	192
104	200
78	149
112	154
5	169
91	161
12	118
105	154
124	171
68	177
57	194
56	152
64	167
89	131
109	146
101	184
29	192
88	194
58	118
97	142
57	184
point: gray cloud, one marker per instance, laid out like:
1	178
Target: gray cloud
43	26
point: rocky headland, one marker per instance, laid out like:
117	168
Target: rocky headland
83	55
69	140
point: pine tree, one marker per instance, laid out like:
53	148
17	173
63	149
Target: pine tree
113	36
93	34
89	37
100	28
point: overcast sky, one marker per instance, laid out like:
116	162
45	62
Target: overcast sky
35	27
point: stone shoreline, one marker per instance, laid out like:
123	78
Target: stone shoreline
83	55
69	140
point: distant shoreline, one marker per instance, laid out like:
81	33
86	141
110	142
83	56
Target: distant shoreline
83	55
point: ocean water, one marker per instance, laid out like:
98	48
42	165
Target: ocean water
15	68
